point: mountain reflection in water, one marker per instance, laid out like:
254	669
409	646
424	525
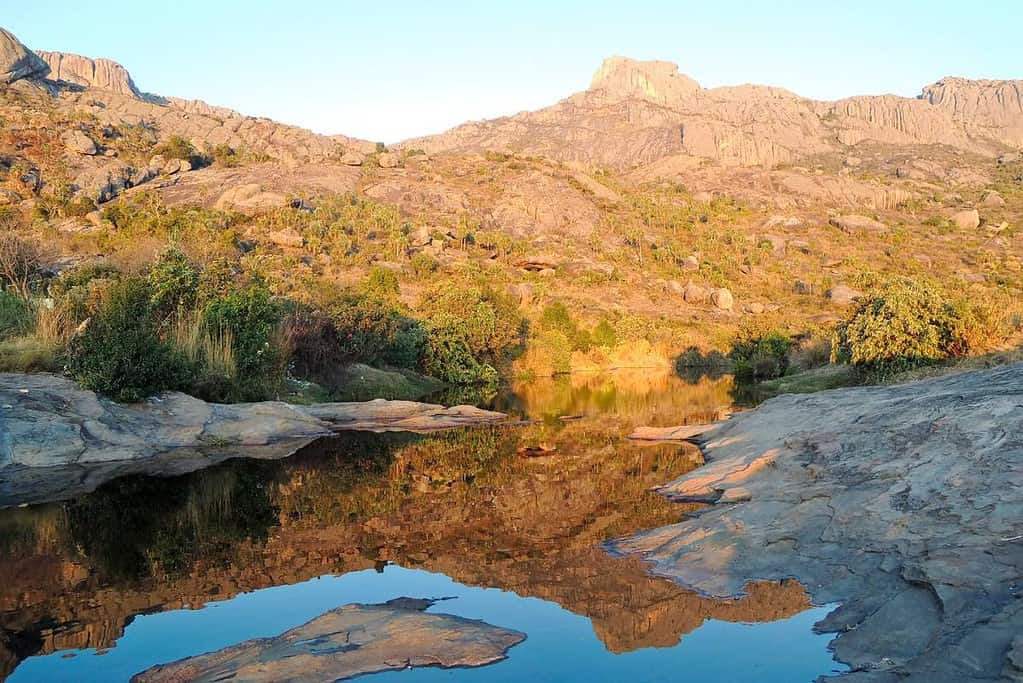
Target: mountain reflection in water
465	504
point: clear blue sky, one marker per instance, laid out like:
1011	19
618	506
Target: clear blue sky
388	70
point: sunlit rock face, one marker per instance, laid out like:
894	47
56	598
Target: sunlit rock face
17	61
900	502
347	642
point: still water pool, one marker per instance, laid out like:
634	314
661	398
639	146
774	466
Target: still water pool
149	570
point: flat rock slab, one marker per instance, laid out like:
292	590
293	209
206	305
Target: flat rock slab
902	503
346	642
49	423
681	433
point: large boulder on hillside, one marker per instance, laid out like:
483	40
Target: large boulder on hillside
856	223
17	61
388	160
250	197
695	294
843	295
79	142
722	298
968	219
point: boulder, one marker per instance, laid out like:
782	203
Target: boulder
176	166
690	263
1009	158
250	197
968	219
755	308
537	263
291	239
843	295
79	142
722	298
353	158
388	160
17	61
992	199
49	422
856	223
347	642
696	294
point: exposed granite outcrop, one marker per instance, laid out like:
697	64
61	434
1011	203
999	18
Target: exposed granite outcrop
17	61
49	426
904	503
350	641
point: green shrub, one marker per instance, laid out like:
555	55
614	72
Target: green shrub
251	317
16	316
177	147
760	354
604	335
905	323
120	353
489	320
365	328
447	354
225	155
423	264
382	284
174	282
557	318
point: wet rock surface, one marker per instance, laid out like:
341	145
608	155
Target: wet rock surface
903	503
58	440
350	641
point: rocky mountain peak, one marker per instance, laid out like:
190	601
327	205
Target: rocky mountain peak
91	73
623	78
17	61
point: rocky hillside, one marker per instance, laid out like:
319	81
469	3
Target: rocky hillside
638	112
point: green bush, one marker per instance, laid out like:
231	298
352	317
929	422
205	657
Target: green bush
251	317
760	354
489	321
120	353
16	316
423	264
174	282
557	318
604	335
177	147
382	284
447	354
905	323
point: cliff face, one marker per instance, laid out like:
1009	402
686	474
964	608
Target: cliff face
91	73
637	112
17	61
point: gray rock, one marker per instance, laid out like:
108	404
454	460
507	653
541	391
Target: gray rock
350	641
722	298
843	295
856	223
17	61
902	503
968	219
353	158
388	160
696	294
49	423
79	142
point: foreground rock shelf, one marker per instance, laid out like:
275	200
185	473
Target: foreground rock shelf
58	440
903	503
350	641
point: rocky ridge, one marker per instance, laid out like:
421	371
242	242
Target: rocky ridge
637	112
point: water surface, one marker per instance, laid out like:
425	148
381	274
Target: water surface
147	570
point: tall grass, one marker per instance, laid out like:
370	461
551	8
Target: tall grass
212	352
